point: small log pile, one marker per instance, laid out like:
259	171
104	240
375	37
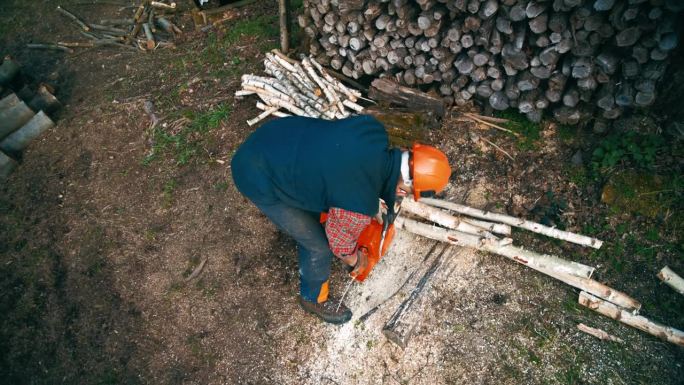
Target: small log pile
300	88
573	58
474	228
24	113
148	28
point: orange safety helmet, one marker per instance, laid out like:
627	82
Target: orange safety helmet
429	169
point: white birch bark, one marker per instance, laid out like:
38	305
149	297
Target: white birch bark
496	228
262	116
517	222
598	333
672	279
572	273
442	218
608	309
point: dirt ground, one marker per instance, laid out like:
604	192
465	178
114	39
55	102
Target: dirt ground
106	219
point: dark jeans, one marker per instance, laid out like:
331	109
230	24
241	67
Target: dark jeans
314	252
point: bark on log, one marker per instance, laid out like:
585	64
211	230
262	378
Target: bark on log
44	100
13	117
598	333
19	140
517	222
7	165
8	101
608	309
8	70
389	91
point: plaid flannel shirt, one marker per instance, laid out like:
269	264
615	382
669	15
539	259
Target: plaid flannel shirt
343	229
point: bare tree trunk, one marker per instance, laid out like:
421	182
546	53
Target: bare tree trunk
284	25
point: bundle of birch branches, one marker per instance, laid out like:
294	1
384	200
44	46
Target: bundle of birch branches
300	88
149	28
575	58
470	227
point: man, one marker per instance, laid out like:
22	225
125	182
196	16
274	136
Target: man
295	168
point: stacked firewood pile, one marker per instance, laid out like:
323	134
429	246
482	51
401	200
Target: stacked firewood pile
574	58
24	113
301	88
455	224
148	28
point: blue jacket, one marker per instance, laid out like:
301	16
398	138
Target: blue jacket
315	164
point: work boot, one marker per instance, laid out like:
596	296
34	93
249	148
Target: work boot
327	310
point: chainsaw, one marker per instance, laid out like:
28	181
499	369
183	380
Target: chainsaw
374	241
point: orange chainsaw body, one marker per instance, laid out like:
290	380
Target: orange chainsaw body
369	242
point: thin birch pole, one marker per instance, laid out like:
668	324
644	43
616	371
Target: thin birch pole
572	273
442	218
608	309
517	222
598	333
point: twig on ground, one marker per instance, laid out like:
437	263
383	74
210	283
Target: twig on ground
197	270
498	148
477	119
598	333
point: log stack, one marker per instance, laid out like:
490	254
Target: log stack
574	59
24	110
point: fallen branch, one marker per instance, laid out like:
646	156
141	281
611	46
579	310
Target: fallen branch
490	119
598	333
477	119
164	6
73	17
672	279
608	309
197	271
54	47
498	148
517	222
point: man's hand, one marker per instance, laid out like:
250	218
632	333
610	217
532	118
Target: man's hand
350	260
